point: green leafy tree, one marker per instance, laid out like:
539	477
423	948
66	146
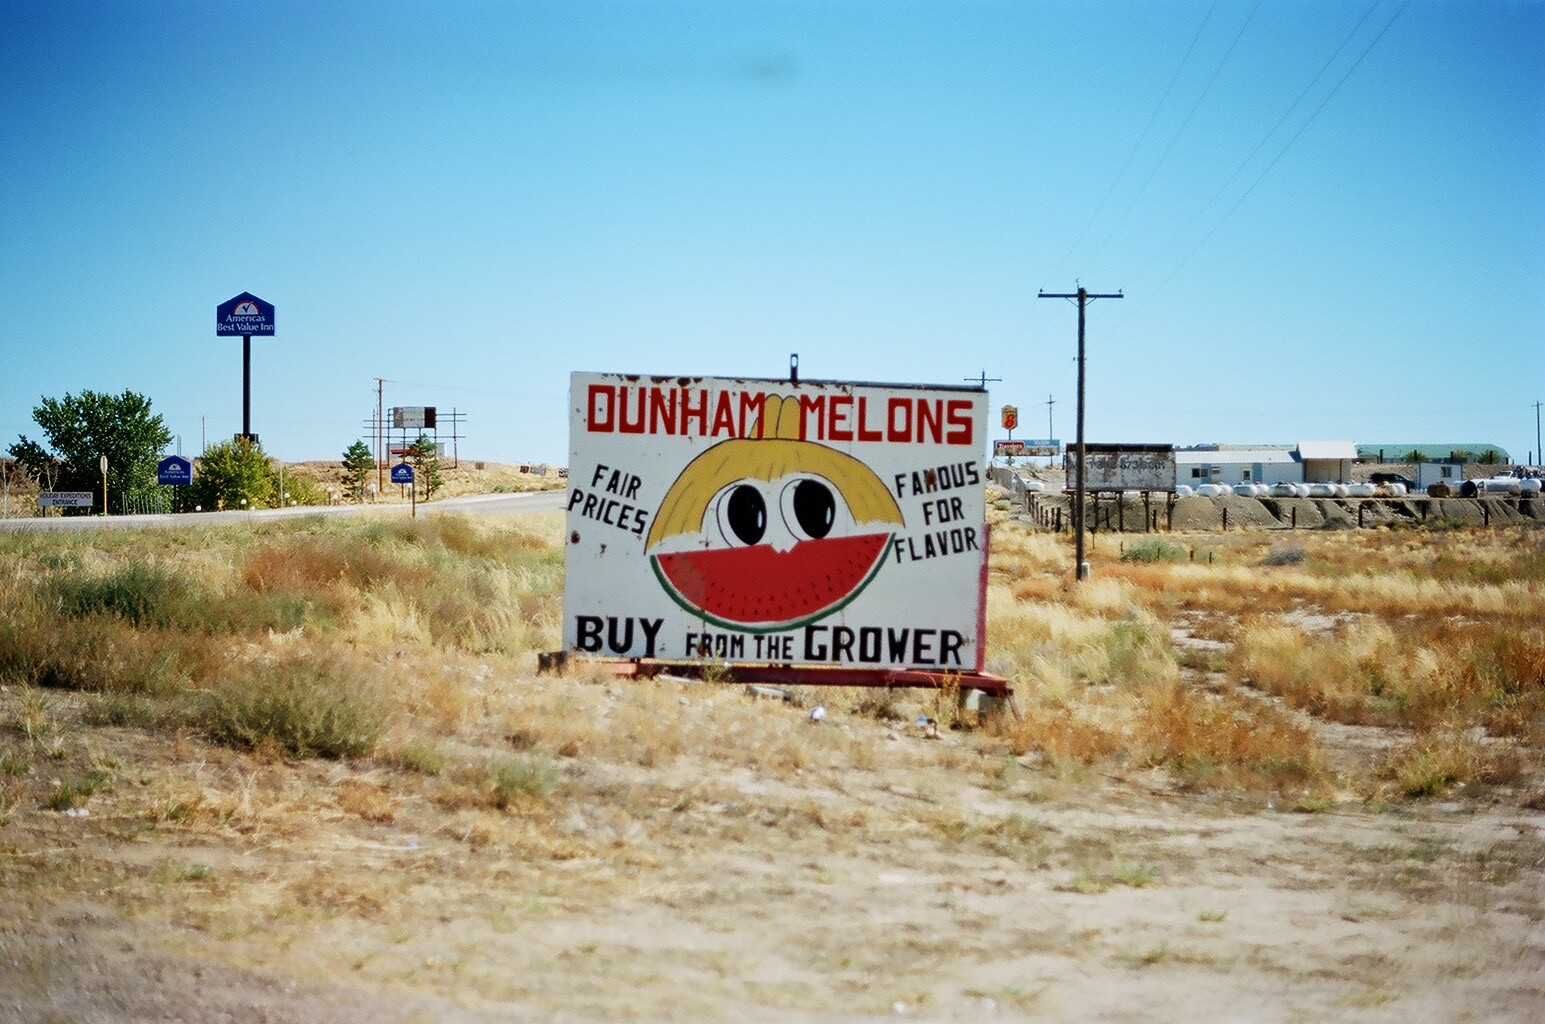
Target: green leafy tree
1490	457
1415	455
358	464
426	465
232	471
80	430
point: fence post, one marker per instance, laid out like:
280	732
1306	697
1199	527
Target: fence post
1225	520
1294	516
1360	507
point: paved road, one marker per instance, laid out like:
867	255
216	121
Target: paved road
475	504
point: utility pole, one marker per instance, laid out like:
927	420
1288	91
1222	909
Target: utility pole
380	426
983	380
1539	453
1083	295
1051	432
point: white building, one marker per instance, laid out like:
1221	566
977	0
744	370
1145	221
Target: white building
1305	462
1230	464
1327	461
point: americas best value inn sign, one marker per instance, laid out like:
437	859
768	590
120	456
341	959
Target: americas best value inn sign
759	521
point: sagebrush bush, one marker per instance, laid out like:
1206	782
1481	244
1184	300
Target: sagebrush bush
1153	551
315	706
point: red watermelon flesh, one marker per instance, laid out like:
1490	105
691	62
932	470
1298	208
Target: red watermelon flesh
763	588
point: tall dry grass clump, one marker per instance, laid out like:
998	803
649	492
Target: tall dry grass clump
1425	675
325	704
271	635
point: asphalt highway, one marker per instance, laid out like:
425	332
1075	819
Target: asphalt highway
473	504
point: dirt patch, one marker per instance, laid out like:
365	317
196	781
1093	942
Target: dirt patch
944	883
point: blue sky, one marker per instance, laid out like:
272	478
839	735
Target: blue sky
473	200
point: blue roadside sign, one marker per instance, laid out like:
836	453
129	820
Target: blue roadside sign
174	471
244	314
402	473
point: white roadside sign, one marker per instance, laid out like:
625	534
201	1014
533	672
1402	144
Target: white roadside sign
70	499
772	522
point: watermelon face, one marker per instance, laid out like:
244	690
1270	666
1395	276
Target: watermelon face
759	588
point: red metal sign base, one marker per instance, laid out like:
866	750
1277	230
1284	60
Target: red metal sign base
791	675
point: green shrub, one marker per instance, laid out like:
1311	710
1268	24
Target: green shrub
141	592
307	708
1153	551
532	776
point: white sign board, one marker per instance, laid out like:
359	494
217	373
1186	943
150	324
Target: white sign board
69	499
412	417
771	522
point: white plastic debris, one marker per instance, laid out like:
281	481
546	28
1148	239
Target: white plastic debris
817	713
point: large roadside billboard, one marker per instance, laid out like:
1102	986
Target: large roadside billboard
806	523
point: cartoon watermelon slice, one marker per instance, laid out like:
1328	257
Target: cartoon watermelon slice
760	589
770	532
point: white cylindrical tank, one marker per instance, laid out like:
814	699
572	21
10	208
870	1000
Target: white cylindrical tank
1501	485
1530	486
1401	490
1211	490
1341	490
1361	490
1246	490
1284	490
1322	490
1034	486
1182	490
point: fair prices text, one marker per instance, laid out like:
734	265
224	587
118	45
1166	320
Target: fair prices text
609	499
638	637
828	416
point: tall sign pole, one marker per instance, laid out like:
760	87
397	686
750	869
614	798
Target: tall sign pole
246	315
246	386
1083	296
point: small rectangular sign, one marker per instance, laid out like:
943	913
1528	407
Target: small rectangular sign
174	471
1008	447
771	522
68	499
244	314
413	417
1042	446
402	473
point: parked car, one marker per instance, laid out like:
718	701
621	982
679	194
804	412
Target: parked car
1392	478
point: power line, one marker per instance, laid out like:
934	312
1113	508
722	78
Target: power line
1178	133
1262	176
1258	146
1136	145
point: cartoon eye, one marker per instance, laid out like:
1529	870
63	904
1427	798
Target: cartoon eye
743	515
809	508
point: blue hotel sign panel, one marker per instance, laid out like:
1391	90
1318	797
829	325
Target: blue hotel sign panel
174	471
245	314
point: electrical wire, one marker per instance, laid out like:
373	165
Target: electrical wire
1136	145
1258	146
1142	303
1178	133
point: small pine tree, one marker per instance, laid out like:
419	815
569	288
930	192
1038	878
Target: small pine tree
426	465
358	464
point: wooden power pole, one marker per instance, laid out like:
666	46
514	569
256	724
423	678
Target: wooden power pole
1084	296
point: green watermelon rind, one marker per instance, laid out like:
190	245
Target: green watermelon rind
777	627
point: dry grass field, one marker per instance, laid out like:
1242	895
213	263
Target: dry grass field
307	771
